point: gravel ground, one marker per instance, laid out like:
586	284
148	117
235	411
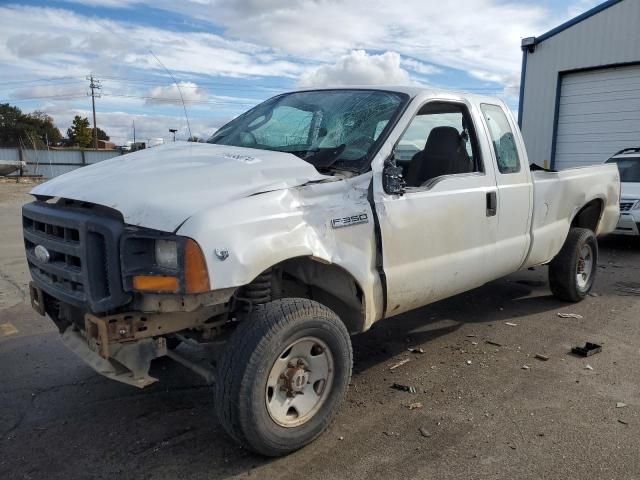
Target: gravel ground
483	415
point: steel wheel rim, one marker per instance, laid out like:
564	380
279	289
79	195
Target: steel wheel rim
299	382
585	266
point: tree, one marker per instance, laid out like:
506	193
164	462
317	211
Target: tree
44	128
102	135
33	129
79	133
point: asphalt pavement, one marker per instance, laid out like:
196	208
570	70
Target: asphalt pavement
484	406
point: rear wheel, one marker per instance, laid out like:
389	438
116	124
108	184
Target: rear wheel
283	375
573	271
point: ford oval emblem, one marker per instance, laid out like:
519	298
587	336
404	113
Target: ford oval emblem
42	253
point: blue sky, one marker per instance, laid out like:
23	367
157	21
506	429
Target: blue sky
228	55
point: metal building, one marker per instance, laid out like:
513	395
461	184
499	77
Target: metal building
580	87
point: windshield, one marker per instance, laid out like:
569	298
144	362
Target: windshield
326	128
629	169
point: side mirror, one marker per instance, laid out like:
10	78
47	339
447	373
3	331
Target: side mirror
392	180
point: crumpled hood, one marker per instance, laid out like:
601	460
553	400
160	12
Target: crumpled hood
163	186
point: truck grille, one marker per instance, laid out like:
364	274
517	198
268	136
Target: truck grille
73	255
626	206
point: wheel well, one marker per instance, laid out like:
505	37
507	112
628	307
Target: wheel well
308	277
589	216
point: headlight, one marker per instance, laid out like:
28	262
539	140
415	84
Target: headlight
166	254
156	262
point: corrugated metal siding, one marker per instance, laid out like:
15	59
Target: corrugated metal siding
599	115
98	156
51	163
610	37
9	154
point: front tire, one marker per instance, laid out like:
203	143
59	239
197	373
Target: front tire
573	271
283	375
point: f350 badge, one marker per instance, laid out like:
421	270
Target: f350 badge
350	220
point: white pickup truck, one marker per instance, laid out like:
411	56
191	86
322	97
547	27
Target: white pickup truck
302	221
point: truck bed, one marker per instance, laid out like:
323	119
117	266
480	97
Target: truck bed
559	196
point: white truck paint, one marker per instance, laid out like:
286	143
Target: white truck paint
344	239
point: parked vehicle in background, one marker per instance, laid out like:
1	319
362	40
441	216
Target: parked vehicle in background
628	161
295	226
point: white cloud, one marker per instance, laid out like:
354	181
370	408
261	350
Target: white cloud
101	45
357	68
420	67
171	94
27	45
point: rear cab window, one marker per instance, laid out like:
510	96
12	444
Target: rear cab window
502	138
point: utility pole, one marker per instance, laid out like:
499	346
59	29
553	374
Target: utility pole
94	84
134	131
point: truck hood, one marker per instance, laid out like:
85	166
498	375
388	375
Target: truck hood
630	191
161	187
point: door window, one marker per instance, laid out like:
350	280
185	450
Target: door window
439	141
502	137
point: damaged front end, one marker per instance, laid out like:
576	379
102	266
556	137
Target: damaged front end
116	300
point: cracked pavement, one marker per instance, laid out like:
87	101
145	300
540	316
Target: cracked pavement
486	416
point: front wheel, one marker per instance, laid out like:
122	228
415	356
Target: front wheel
283	375
573	271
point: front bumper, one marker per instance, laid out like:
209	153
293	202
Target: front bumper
121	346
627	225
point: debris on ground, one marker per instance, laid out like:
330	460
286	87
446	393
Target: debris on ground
414	406
623	422
424	432
594	294
391	434
588	349
539	356
416	350
588	367
511	324
340	438
570	315
399	364
404	388
620	405
491	342
471	336
469	362
526	367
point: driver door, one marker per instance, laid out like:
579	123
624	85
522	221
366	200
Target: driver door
437	238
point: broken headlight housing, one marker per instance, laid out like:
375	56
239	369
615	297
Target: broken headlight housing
162	263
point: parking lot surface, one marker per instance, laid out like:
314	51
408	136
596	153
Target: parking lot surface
484	406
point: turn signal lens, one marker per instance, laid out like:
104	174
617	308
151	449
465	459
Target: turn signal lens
195	269
148	283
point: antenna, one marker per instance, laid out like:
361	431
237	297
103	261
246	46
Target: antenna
179	90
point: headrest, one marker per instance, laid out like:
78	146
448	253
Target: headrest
442	141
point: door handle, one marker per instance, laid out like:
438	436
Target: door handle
492	204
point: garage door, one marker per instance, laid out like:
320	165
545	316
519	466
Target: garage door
599	114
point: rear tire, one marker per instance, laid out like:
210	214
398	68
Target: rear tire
573	271
283	375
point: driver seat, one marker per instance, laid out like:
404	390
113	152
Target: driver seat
444	153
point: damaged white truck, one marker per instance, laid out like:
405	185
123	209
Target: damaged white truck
299	223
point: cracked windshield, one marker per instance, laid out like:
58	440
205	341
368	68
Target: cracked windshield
330	128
